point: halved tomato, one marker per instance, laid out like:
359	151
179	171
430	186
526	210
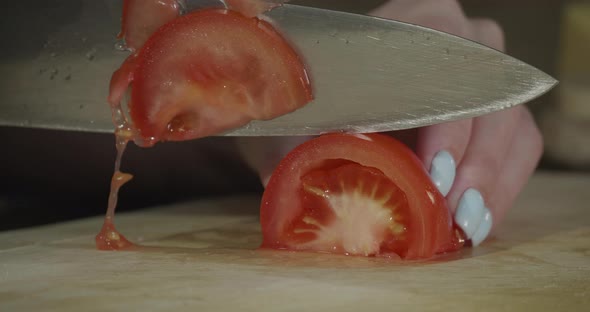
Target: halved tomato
141	18
359	195
207	72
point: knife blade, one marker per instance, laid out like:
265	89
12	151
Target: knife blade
369	75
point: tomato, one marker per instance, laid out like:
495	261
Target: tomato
359	195
142	17
207	72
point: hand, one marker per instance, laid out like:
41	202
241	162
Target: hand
479	164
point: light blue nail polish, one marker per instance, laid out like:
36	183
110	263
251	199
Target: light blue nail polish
442	171
484	228
470	212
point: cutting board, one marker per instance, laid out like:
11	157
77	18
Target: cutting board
202	256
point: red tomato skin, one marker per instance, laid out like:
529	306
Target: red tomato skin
431	224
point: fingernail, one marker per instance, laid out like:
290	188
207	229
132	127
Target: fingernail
470	212
442	171
484	228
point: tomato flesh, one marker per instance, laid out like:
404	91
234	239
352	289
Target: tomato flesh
351	209
207	72
357	195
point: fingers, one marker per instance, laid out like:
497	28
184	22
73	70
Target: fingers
443	15
484	157
441	147
487	32
446	16
521	161
463	157
263	154
477	214
477	174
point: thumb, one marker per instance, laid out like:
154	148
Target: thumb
263	154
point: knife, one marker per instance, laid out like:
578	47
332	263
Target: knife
370	74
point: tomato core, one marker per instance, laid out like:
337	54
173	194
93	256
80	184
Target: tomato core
350	209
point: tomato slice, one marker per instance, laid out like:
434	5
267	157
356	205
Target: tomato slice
141	18
209	71
358	195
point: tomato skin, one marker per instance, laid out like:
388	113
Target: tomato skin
207	72
431	229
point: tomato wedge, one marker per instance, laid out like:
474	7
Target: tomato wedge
207	72
359	195
141	18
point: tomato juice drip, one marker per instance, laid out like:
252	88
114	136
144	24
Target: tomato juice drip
109	238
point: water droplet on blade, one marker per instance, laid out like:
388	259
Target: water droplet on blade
90	55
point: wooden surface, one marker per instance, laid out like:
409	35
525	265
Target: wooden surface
203	258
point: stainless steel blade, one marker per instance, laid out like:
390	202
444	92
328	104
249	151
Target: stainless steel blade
369	74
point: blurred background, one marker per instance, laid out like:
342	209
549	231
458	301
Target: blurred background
50	176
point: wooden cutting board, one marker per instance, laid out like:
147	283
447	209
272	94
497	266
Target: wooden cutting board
203	257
